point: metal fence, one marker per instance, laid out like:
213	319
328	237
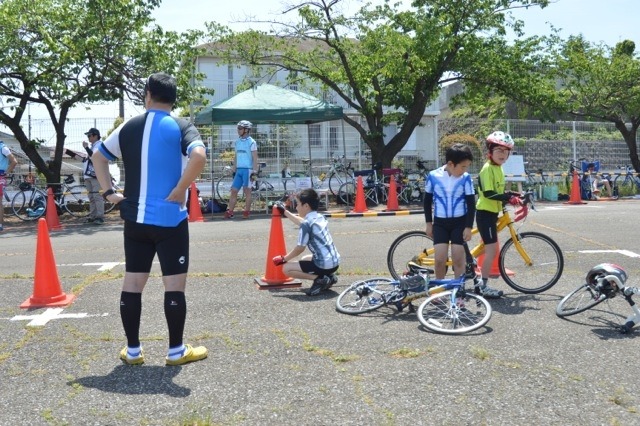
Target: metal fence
546	146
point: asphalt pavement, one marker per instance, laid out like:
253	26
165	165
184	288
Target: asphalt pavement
279	357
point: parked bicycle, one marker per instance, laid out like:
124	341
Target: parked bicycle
337	174
529	262
258	184
603	283
374	189
30	203
449	307
411	190
628	182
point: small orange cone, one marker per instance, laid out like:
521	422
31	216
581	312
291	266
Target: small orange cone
47	291
495	268
195	213
274	276
392	197
360	204
53	222
575	197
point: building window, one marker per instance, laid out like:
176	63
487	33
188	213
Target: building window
314	135
333	138
230	91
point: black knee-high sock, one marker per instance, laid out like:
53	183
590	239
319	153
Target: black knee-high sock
130	311
175	311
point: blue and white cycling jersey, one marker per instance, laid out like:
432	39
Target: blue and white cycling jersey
154	138
449	192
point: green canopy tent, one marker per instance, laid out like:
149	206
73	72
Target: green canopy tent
269	104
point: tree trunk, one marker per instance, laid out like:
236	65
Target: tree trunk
629	136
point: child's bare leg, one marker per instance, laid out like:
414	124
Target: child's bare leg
459	258
441	256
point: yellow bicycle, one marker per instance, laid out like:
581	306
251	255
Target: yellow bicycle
530	262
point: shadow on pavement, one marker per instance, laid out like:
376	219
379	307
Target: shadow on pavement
137	380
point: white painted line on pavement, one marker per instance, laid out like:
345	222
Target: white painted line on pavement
50	314
622	252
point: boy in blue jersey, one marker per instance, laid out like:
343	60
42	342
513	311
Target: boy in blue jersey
162	155
243	166
449	191
324	259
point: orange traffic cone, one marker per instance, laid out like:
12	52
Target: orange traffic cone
495	268
360	204
46	285
195	213
392	197
575	197
274	276
53	222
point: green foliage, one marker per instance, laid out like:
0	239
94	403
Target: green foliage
465	139
597	82
59	53
387	63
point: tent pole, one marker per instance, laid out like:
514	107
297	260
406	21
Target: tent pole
344	141
213	177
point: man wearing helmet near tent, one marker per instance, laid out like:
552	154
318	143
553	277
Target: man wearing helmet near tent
243	166
491	182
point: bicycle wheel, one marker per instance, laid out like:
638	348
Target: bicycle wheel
626	185
365	296
30	204
76	201
347	194
409	246
469	312
579	300
544	270
336	180
223	189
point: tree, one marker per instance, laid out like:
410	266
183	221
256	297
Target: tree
60	53
387	63
597	82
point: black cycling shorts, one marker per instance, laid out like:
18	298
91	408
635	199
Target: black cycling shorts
449	230
310	268
487	226
142	242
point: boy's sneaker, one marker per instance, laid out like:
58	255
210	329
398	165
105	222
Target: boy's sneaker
98	221
245	214
131	360
318	285
332	280
490	293
228	214
190	354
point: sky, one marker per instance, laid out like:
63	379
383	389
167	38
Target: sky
598	21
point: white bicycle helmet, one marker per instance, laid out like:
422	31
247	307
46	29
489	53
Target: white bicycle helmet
245	124
604	269
500	138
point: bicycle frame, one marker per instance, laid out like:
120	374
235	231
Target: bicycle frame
504	221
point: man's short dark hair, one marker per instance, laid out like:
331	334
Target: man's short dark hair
163	88
457	153
309	196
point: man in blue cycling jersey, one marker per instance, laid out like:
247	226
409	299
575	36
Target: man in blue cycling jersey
162	155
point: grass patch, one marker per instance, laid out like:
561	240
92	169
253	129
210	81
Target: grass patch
480	353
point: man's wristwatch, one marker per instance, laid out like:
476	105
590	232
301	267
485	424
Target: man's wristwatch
108	192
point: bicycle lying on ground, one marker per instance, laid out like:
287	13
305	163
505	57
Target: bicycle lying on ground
530	262
603	282
448	309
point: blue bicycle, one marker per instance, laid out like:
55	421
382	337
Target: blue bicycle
448	309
